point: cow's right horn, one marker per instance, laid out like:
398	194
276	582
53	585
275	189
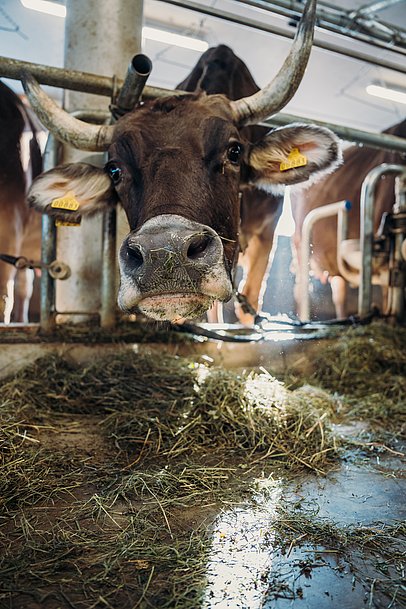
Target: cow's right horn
64	126
272	98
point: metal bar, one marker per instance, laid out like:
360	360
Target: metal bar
313	216
372	140
375	7
273	29
367	205
48	248
397	257
342	223
66	79
138	72
339	21
74	80
108	277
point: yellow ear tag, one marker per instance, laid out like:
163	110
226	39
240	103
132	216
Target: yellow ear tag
68	202
64	223
295	159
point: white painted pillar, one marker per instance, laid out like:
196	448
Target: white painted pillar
101	36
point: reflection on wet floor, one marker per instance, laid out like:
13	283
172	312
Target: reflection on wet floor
241	555
248	571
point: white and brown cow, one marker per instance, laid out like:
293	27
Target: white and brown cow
177	166
20	233
345	183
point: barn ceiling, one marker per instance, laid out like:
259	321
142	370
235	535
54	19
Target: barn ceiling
333	88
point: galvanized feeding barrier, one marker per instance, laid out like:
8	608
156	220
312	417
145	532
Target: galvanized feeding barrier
124	95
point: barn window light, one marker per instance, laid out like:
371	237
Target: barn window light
385	93
176	39
43	6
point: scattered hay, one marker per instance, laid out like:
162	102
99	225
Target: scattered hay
366	366
169	406
130	519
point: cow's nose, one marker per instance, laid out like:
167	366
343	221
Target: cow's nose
194	247
172	267
135	255
171	247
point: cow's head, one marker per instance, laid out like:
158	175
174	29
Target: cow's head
177	165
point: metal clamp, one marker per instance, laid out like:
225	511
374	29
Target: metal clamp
56	269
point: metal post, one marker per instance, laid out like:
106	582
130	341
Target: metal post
397	261
94	29
108	278
313	216
367	205
48	248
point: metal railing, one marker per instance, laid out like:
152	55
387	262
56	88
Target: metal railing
396	285
102	85
340	209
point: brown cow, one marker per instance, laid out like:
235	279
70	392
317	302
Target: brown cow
345	183
19	226
219	70
177	166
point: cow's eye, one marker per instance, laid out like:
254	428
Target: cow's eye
114	172
234	153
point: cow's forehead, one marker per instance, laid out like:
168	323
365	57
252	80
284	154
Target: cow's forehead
170	117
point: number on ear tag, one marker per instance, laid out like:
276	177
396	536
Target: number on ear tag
68	202
295	159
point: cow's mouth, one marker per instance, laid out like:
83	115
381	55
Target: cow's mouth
175	306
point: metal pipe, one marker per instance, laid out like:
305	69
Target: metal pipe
313	216
138	72
340	21
373	140
375	7
342	223
48	249
397	259
273	29
74	80
397	262
108	275
367	208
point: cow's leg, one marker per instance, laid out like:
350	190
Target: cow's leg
255	263
339	293
23	288
10	243
6	292
215	313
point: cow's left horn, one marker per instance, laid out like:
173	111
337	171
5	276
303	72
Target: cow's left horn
63	125
272	98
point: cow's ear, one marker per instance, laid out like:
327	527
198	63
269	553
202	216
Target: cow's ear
293	154
71	191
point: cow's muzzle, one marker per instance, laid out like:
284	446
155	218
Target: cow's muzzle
172	268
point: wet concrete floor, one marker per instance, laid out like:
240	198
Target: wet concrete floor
368	490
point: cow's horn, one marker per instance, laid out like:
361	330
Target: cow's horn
64	126
272	98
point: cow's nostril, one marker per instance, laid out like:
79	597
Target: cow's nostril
134	256
198	246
